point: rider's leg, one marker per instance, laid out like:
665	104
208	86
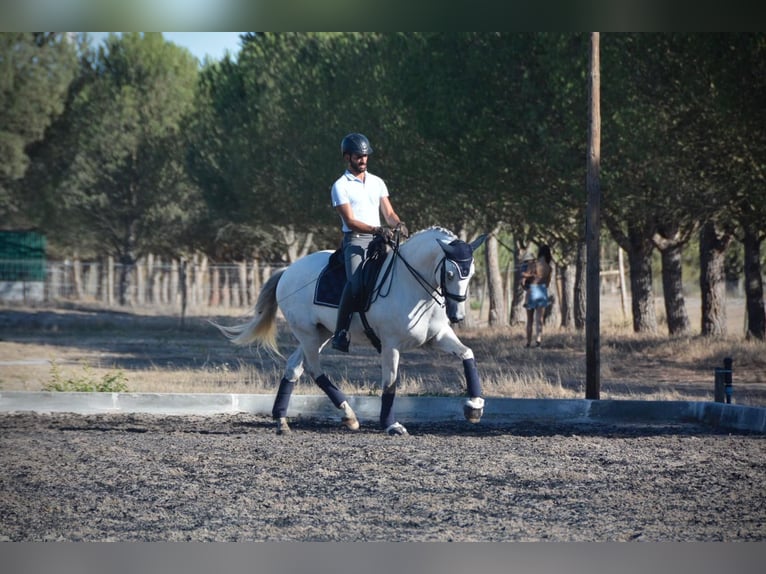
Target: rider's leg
354	247
340	339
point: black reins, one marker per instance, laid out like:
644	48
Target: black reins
422	281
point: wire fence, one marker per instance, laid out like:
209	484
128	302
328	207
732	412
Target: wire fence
150	282
195	284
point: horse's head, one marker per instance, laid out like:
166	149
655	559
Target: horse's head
457	268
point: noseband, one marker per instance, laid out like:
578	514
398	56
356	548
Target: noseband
463	268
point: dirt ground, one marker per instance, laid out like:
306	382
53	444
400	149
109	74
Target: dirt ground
230	478
137	477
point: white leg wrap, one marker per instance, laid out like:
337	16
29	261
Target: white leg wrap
396	429
467	355
475	402
349	419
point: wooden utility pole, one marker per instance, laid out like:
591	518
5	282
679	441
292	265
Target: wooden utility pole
593	230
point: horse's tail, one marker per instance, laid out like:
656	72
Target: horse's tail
262	328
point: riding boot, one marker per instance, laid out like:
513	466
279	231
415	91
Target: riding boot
341	339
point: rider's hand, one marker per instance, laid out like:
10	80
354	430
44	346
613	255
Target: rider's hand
386	232
404	233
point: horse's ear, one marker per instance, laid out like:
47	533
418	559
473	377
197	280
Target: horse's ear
476	243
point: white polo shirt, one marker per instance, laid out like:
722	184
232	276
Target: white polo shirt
363	196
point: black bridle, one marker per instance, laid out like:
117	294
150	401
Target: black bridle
462	266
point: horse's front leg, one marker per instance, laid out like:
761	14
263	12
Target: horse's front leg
473	408
388	382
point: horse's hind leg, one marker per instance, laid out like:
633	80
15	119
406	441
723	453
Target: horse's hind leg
293	372
338	398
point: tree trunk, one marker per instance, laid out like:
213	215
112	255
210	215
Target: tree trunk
77	277
567	274
552	314
713	244
243	301
201	281
494	282
184	289
140	282
298	244
756	315
109	291
578	310
152	280
517	316
255	281
670	245
623	286
127	268
215	291
642	292
672	288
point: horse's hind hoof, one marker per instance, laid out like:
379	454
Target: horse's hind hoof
351	423
283	427
396	429
473	409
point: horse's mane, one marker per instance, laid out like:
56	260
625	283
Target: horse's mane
434	230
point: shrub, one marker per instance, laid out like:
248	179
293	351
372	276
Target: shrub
87	382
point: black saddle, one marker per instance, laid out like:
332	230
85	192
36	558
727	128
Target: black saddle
332	279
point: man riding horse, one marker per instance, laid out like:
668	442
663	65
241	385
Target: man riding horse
360	198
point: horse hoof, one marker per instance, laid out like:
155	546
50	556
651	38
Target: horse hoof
396	429
473	409
283	427
351	423
473	415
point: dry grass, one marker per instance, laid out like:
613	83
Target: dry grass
156	356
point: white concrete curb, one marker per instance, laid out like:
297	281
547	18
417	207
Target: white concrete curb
433	409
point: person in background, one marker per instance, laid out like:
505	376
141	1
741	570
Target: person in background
536	278
360	198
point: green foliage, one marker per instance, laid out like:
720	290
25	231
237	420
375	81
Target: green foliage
87	382
35	72
127	178
472	131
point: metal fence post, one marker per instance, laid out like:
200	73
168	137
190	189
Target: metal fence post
718	391
727	378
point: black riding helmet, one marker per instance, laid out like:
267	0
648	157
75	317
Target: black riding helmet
355	143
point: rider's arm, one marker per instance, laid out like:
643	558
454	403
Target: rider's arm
345	211
388	212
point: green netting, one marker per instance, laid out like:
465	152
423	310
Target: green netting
22	256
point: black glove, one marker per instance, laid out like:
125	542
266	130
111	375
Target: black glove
385	232
404	233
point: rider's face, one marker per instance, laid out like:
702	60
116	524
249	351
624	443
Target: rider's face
357	163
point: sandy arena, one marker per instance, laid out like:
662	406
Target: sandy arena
126	477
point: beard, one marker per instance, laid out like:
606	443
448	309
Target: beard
358	166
